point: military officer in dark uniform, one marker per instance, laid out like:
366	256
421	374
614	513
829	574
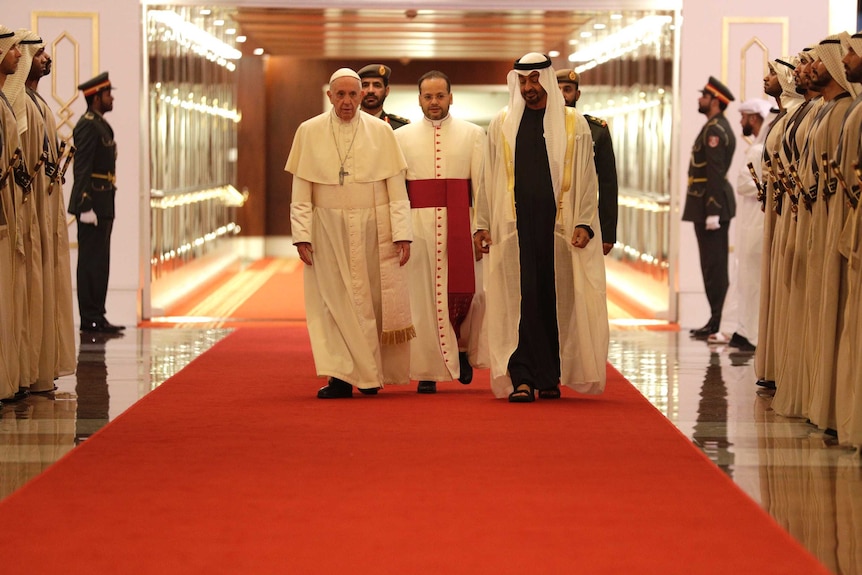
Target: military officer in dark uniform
606	163
92	202
709	202
375	84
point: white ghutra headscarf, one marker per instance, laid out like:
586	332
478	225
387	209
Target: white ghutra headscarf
555	119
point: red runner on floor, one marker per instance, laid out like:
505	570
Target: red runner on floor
233	466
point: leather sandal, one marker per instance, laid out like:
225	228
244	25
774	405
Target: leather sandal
553	393
524	393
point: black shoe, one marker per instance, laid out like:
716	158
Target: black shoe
109	325
705	331
466	369
552	393
336	389
741	342
426	387
100	327
767	383
368	391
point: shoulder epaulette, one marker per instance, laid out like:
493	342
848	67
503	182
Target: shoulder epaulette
596	121
89	116
398	118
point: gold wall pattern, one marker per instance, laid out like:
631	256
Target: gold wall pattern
67	51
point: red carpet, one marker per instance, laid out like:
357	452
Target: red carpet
233	466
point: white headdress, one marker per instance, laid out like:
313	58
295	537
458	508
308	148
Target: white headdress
784	67
831	53
555	114
28	43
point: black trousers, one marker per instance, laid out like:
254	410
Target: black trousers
713	246
94	263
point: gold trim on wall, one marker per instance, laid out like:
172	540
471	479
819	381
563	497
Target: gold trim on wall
64	112
727	21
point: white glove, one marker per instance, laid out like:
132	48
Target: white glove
712	223
88	218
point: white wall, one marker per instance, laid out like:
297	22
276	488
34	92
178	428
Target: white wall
119	53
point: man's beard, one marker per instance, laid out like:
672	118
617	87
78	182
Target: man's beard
747	130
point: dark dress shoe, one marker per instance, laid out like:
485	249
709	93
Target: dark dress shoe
336	389
705	331
426	387
767	383
109	325
466	369
100	327
741	342
368	391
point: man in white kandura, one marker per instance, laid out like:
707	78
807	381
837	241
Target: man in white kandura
350	220
444	168
537	219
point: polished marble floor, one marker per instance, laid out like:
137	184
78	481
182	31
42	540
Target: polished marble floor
811	486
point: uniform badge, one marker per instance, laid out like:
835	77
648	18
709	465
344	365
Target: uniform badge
712	141
573	76
382	70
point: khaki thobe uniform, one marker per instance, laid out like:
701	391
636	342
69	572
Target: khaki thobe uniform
792	393
582	315
764	359
449	149
10	368
357	302
824	274
56	239
40	269
848	393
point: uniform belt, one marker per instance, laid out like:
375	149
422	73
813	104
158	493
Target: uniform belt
697	180
110	177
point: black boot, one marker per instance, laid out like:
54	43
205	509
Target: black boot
466	369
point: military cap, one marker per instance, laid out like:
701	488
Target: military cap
568	76
95	85
715	88
376	71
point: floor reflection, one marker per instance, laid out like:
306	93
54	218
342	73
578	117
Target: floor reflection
812	487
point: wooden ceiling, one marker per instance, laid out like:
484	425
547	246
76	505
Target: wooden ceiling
407	34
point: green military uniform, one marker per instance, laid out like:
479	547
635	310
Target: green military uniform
94	189
605	160
710	194
606	170
383	72
393	120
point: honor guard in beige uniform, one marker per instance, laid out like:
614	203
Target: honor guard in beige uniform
33	224
11	257
709	202
350	221
779	84
57	353
792	388
824	291
92	203
375	84
848	401
606	163
444	171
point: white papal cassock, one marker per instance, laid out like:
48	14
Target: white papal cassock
444	168
349	201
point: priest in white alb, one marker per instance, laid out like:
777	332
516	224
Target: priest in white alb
444	168
350	221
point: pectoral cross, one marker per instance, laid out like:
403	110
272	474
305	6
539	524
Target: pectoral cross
341	174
